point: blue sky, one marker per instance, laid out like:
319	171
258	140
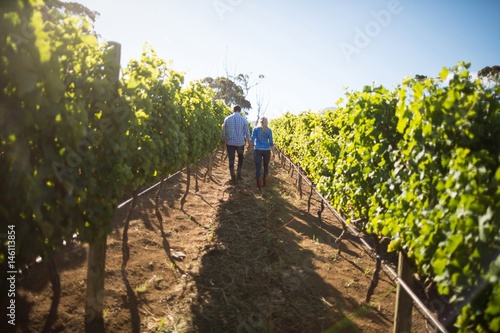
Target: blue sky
308	51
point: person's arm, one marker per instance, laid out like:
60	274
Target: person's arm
247	135
251	140
271	143
225	133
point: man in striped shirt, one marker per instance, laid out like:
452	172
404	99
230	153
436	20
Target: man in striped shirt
235	133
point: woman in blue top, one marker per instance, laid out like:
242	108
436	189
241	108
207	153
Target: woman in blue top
262	140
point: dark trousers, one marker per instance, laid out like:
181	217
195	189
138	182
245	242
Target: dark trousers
231	152
261	157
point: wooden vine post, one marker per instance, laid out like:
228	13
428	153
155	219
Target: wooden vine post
404	303
299	183
94	304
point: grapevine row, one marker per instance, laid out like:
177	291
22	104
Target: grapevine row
73	137
421	165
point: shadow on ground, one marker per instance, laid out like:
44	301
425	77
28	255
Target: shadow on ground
256	277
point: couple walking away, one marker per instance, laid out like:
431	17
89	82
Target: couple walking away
236	133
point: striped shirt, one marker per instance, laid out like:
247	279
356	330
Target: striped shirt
235	130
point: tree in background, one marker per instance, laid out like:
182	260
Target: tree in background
243	80
228	91
73	8
259	97
232	89
489	72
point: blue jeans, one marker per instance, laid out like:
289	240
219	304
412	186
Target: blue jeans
261	157
231	154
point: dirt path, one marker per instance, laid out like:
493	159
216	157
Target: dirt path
248	261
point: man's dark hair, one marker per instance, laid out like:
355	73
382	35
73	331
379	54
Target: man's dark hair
237	108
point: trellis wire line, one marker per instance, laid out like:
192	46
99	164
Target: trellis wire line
147	190
373	252
152	187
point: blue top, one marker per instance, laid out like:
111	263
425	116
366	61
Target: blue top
235	130
262	141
